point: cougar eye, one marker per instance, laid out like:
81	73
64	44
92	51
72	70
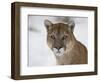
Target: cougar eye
64	37
52	36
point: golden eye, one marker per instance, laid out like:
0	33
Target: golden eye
64	37
52	36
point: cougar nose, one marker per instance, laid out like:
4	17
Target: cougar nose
58	47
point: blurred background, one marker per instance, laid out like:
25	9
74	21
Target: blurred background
39	53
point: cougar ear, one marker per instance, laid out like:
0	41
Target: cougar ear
71	26
48	24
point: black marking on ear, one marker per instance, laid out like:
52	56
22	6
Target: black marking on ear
48	24
71	26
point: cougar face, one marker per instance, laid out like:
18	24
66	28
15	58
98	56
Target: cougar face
59	36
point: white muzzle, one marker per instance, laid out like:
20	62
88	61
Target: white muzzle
59	52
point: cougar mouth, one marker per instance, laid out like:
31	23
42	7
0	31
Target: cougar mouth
58	52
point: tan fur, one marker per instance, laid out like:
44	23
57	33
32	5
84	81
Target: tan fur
61	35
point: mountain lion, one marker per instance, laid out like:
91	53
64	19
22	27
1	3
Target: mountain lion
66	48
